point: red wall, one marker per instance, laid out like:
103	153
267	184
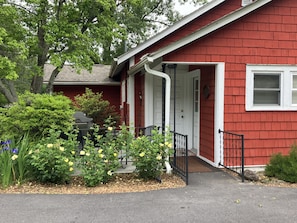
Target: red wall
207	78
266	36
139	100
110	93
203	20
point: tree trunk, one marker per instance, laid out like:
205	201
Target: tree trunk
8	90
56	71
42	56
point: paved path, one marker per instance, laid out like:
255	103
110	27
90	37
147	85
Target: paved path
210	197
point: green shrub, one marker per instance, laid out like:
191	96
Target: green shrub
283	167
36	114
99	158
95	107
149	154
52	158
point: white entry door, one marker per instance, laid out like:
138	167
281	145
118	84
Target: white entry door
196	113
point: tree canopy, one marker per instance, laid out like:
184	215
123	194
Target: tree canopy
79	32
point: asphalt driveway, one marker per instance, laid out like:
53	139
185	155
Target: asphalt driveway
210	197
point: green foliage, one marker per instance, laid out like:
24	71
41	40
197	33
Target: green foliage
98	161
13	50
95	107
3	100
52	159
36	114
149	154
283	167
13	161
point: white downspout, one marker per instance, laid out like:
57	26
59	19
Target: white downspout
167	101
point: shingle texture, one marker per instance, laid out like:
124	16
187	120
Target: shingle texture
99	75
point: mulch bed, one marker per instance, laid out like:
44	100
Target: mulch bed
122	183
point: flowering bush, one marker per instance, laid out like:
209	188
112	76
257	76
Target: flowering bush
99	157
52	159
149	154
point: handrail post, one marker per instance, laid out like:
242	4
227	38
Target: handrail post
242	158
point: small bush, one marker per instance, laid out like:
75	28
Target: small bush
52	159
98	161
36	114
95	107
149	154
283	167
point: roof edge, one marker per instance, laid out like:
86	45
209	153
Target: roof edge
185	20
217	24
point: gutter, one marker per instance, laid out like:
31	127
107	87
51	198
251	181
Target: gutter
167	99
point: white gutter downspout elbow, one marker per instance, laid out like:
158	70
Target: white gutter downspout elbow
167	101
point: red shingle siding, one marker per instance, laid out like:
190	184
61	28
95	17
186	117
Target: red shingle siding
110	93
266	36
207	113
203	20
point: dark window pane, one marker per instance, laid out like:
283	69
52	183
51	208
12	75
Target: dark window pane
266	81
267	97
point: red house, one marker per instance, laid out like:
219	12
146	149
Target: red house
70	83
230	65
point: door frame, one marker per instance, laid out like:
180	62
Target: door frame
196	132
218	106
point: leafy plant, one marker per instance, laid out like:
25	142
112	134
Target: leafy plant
149	154
39	114
95	107
52	159
283	167
13	155
99	158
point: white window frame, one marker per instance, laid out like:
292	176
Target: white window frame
293	89
286	86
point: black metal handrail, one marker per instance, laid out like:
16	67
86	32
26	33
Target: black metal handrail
179	160
232	152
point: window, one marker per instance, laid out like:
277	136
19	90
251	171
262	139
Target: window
266	89
294	89
271	87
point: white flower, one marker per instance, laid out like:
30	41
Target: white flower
159	157
14	157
